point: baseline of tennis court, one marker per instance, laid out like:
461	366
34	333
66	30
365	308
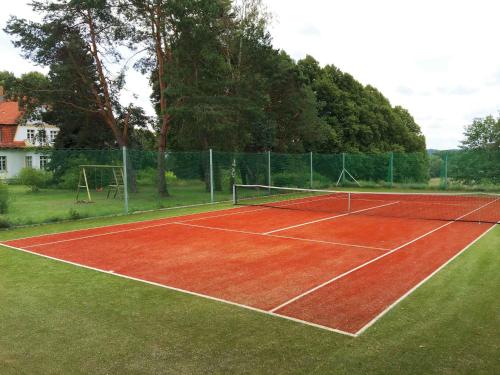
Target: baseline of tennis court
338	271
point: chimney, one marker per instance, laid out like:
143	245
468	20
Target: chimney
1	94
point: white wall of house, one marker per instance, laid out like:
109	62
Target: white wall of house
36	134
17	159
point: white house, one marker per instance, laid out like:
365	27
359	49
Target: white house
21	144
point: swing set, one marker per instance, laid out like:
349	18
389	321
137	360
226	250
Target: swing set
115	181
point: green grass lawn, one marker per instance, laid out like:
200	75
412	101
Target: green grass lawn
53	205
59	319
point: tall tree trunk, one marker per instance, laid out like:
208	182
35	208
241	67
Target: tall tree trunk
162	148
162	54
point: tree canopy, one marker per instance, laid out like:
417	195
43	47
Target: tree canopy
217	81
482	134
360	118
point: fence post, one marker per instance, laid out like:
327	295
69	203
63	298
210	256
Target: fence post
446	171
125	178
269	168
343	169
211	177
312	171
391	169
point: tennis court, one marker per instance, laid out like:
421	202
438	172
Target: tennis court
335	260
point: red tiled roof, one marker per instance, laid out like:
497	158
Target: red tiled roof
9	113
14	144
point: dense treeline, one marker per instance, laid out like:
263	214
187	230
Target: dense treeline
217	82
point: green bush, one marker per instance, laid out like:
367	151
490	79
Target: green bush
149	177
68	179
35	179
4	223
4	198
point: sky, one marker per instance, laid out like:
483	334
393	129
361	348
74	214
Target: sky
437	58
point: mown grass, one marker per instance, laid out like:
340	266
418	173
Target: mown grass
54	205
60	319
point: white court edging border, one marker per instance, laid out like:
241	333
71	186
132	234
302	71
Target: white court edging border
132	228
220	300
129	222
391	306
333	279
272	311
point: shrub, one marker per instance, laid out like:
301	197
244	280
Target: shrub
146	177
4	198
74	214
35	179
4	223
69	176
149	177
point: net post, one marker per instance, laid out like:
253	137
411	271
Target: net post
125	178
312	170
235	200
269	170
211	176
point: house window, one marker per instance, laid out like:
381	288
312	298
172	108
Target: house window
43	161
31	135
3	163
42	136
28	161
53	135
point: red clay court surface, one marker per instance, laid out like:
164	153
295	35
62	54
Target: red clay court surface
338	272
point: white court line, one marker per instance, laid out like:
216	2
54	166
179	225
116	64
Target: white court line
187	223
270	313
118	216
187	292
241	212
333	279
329	218
128	229
369	324
278	236
130	223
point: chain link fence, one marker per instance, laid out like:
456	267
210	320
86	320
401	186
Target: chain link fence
73	184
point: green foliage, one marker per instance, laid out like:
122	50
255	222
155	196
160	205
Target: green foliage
5	223
4	198
35	179
149	177
75	215
8	81
436	165
65	166
474	167
483	134
301	180
411	168
360	118
227	88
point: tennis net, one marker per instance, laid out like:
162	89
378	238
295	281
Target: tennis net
471	207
